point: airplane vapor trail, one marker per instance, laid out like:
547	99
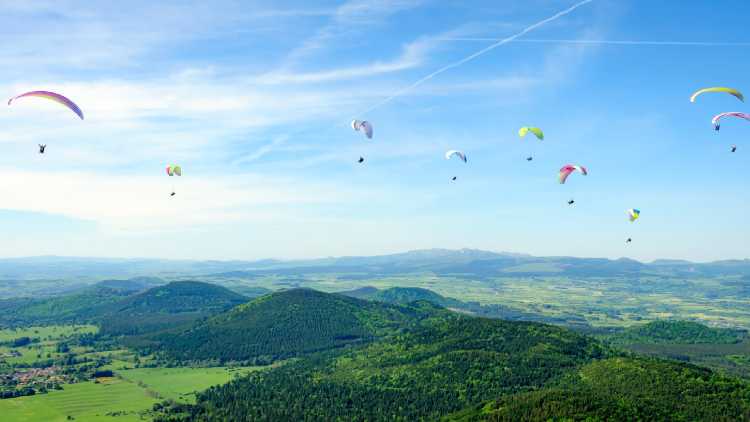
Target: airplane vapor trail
473	56
610	42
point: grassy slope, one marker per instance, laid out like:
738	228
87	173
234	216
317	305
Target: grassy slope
84	401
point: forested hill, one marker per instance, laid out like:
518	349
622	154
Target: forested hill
460	368
290	323
684	332
167	306
82	306
445	365
622	389
403	295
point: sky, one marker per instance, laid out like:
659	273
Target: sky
254	99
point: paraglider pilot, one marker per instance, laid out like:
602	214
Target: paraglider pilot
41	148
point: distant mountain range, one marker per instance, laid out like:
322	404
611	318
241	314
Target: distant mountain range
471	262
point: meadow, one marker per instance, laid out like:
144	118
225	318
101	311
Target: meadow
128	396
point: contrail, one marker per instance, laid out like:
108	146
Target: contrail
471	57
610	42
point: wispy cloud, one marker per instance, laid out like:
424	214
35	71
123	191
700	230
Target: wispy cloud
352	17
412	55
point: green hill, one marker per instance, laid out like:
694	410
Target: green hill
403	295
82	306
683	332
289	323
444	365
167	306
621	389
134	285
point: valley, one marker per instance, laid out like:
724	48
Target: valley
450	341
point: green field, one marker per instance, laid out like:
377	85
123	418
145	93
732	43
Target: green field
84	401
47	333
181	384
118	399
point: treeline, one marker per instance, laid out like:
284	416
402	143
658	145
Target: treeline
684	332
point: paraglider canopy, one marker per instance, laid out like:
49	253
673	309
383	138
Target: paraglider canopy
738	114
567	169
730	91
53	97
363	126
453	152
173	170
633	214
535	130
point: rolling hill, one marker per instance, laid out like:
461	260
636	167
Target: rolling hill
82	306
420	362
287	324
443	365
404	295
168	306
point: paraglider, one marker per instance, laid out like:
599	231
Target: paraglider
715	120
361	160
53	97
363	126
457	153
730	91
633	214
567	169
535	130
41	148
173	170
734	148
460	154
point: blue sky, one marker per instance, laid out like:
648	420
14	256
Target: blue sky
254	100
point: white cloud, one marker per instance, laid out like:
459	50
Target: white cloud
413	54
136	202
349	19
